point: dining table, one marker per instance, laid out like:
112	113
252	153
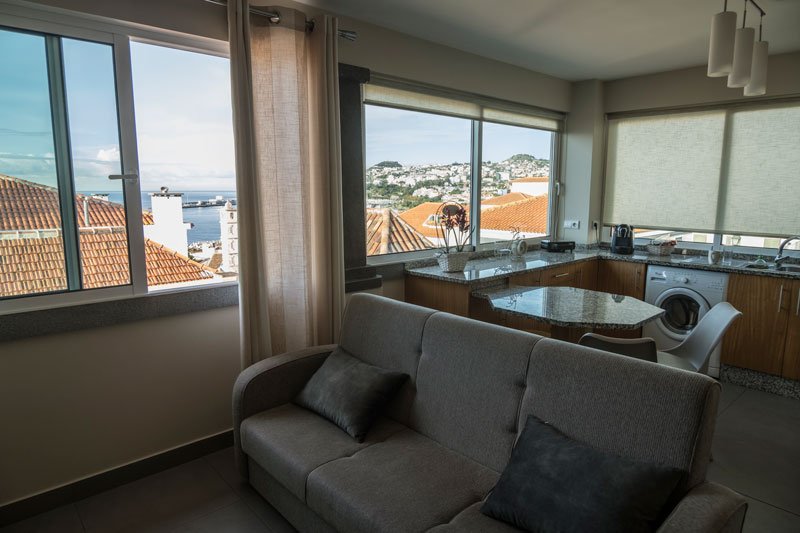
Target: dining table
571	311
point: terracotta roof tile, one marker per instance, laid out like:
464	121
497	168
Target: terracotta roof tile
400	236
532	179
417	216
36	264
528	215
25	205
504	199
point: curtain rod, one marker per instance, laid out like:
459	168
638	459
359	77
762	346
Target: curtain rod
275	18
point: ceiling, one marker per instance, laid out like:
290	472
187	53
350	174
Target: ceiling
575	39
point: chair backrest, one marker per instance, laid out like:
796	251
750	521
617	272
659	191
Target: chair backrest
705	337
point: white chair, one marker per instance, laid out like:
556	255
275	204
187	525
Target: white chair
692	354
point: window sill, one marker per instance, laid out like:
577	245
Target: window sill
158	304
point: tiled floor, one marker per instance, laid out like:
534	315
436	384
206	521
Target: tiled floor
756	452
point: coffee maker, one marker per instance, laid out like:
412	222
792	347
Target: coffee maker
622	239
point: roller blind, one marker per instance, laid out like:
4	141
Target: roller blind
734	170
444	102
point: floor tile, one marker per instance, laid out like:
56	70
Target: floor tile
756	449
223	462
236	518
159	502
61	520
763	518
730	393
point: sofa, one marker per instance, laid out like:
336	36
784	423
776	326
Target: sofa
439	447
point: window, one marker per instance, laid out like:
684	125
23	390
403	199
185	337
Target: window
515	182
423	148
78	220
721	175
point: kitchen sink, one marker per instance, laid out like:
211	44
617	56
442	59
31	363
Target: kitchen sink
754	266
794	269
789	268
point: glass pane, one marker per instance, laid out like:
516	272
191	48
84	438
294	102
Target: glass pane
754	241
186	163
515	182
31	245
679	236
415	161
94	140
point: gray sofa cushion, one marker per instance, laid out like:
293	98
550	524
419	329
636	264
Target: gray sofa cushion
388	334
407	483
470	383
289	442
554	483
631	408
471	520
350	393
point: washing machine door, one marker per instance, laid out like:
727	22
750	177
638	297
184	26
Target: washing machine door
683	309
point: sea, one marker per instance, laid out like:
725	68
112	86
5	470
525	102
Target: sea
205	219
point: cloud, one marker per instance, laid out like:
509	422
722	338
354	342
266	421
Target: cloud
110	154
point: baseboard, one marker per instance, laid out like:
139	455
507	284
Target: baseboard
110	479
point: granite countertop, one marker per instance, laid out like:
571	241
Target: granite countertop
571	307
480	272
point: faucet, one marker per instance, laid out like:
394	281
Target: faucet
780	258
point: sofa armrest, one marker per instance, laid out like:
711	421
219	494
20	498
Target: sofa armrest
270	383
707	507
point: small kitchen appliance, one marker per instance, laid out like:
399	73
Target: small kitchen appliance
622	239
557	246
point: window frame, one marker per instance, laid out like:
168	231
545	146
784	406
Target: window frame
476	169
119	34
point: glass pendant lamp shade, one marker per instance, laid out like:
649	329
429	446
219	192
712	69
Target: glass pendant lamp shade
720	47
757	85
742	57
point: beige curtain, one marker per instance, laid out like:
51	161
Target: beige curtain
288	177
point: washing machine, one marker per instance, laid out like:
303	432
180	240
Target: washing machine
685	296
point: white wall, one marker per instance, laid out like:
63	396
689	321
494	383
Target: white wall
77	404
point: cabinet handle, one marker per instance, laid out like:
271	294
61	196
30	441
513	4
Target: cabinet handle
561	275
797	308
780	299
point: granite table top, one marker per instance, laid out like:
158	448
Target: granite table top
571	307
479	272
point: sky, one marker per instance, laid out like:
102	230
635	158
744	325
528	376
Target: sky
413	138
182	106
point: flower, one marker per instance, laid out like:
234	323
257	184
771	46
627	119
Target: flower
453	221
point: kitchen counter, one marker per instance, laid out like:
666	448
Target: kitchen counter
570	307
482	272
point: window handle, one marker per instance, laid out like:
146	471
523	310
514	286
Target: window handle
124	177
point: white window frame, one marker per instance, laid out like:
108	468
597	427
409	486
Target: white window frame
56	21
476	148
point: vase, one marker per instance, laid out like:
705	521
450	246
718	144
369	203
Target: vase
453	261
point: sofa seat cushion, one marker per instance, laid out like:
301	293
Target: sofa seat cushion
290	441
471	520
406	483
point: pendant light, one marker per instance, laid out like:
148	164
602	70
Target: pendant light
720	47
757	86
742	54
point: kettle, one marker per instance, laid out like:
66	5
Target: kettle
622	239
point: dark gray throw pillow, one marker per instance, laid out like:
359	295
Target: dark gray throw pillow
349	393
555	484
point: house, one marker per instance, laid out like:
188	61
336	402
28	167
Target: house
30	234
612	127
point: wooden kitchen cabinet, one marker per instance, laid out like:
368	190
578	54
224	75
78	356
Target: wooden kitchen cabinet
570	275
791	351
622	277
757	340
437	294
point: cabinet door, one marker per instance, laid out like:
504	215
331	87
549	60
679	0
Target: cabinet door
589	274
621	277
791	353
756	339
563	276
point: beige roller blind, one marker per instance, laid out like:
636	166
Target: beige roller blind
763	175
450	103
663	171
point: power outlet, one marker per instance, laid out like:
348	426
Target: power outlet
572	224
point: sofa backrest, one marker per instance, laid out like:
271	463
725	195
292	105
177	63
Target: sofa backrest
470	383
388	334
632	408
